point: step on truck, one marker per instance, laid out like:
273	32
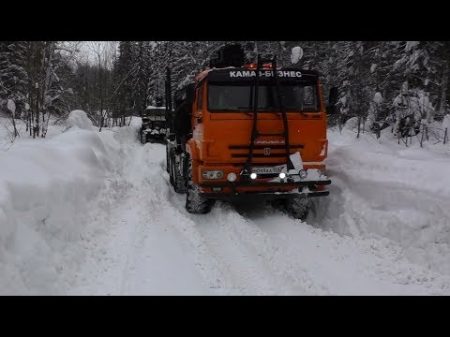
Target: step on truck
247	131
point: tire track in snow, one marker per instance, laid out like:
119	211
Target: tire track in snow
244	260
158	212
222	278
251	270
143	254
351	265
265	256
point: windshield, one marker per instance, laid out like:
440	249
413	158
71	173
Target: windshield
155	114
239	97
154	124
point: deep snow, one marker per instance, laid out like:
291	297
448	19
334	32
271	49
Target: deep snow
84	212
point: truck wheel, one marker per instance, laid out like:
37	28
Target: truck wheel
170	168
143	138
178	179
167	160
298	207
195	202
171	174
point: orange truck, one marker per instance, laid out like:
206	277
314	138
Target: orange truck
247	131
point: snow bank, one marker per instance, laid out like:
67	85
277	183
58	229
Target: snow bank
351	123
47	187
383	188
129	134
78	118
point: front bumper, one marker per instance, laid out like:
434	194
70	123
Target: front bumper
265	190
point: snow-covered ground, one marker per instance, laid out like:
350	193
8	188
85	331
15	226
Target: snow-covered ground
83	212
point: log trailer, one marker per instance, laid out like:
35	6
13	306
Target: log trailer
247	131
153	128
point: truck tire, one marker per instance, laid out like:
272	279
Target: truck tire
171	173
195	203
179	184
298	207
167	160
170	161
143	137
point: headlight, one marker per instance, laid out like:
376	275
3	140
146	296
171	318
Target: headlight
231	177
303	174
216	174
253	175
282	175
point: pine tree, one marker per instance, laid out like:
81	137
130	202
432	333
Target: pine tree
13	77
124	69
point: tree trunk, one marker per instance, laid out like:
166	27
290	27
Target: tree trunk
101	96
35	71
45	126
36	110
16	133
444	86
359	126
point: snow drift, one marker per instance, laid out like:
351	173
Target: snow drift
384	189
47	187
79	119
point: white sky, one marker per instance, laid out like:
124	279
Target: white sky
89	50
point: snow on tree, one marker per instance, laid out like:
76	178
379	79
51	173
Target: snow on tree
13	75
409	111
11	106
297	54
374	121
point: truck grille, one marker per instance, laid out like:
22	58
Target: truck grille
263	151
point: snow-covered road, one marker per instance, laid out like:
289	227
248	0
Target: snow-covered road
381	230
153	246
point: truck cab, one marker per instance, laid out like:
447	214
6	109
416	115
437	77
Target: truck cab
253	131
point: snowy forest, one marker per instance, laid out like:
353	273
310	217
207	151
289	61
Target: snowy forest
99	198
39	79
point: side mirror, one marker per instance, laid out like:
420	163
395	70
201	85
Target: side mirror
332	100
190	93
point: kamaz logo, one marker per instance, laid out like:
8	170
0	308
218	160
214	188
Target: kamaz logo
266	151
266	73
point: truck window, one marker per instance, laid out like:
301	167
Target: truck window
238	97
